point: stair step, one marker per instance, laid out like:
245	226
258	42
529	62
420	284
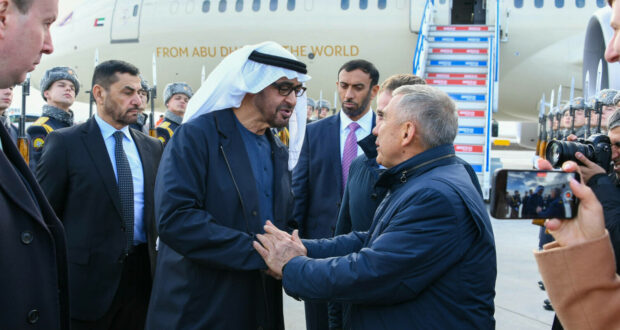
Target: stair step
469	148
468	97
457	82
472	51
477	28
465	113
461	89
460	34
470	139
457	57
458	63
439	75
439	44
459	39
460	69
477	106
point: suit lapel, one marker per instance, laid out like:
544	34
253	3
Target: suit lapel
237	157
10	180
93	141
332	133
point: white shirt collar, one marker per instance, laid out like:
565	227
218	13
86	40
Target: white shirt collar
365	122
108	130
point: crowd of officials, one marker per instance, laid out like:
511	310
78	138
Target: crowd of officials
367	215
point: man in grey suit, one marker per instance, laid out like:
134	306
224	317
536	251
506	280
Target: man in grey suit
99	177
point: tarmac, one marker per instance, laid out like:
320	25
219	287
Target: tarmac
518	300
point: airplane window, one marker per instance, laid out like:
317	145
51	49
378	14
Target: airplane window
273	5
600	3
222	6
239	5
256	5
290	5
538	3
559	3
382	3
135	10
206	5
580	3
344	4
363	4
518	3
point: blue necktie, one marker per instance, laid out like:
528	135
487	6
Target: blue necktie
125	187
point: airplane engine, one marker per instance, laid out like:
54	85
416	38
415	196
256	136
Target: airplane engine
598	36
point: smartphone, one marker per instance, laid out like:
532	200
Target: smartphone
523	194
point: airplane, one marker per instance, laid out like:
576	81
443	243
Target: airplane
542	42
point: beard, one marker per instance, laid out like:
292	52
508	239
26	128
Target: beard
120	116
280	120
360	109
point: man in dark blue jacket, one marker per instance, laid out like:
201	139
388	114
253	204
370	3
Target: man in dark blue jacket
428	259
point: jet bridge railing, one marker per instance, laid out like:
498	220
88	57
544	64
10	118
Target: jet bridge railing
421	49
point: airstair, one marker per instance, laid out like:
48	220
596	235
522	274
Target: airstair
461	60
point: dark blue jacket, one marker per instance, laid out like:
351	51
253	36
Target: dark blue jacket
208	274
317	179
428	260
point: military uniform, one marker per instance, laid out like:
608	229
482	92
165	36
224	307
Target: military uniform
167	127
52	119
515	202
140	124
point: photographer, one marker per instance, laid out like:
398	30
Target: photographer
578	268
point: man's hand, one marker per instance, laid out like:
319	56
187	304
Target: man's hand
589	168
589	223
277	247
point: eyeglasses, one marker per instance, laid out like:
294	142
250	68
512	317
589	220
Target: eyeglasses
286	88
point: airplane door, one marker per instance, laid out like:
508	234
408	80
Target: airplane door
126	21
468	12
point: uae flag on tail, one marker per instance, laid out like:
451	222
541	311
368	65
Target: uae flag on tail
99	21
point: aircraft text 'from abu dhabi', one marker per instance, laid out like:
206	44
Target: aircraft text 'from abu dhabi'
310	51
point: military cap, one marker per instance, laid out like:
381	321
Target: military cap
616	98
311	103
578	103
606	96
59	73
145	85
566	108
614	120
323	104
177	88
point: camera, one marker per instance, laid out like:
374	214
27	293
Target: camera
596	148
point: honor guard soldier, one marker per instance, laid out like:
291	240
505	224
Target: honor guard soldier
59	87
324	106
606	98
579	105
142	117
311	106
176	96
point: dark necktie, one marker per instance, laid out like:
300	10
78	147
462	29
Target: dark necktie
125	187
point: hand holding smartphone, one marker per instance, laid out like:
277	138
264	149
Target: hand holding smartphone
531	194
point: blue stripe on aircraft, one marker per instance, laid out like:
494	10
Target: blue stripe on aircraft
461	39
472	130
467	97
458	63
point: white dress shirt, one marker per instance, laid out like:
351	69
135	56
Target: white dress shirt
365	128
135	163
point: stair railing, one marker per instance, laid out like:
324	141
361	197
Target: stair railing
421	49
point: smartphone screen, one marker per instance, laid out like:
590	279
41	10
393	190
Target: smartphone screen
523	194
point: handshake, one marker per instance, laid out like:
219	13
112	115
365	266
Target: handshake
277	247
